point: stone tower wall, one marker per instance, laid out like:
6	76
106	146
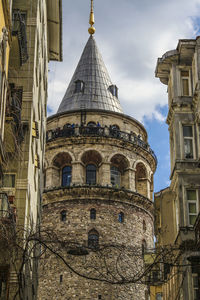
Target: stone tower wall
137	164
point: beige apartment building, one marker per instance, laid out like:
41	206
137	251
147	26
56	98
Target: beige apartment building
177	207
35	38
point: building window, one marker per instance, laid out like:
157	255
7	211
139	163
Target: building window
185	83
192	206
115	176
79	86
63	215
144	226
66	176
196	286
3	288
121	217
91	174
158	296
93	239
61	278
93	214
99	297
188	141
9	180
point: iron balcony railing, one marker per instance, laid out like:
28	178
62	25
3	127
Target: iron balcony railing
99	131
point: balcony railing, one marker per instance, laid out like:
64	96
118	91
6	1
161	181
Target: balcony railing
6	213
73	131
19	30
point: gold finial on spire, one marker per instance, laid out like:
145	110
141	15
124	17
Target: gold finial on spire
91	30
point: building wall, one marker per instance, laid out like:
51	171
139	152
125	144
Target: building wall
25	127
182	77
5	40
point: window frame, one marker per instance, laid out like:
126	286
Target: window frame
79	86
93	214
189	201
195	288
63	216
90	172
117	177
121	217
188	138
93	243
69	175
185	77
13	180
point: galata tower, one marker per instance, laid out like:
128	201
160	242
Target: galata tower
97	203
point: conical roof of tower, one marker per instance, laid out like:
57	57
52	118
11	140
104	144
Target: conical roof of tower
94	81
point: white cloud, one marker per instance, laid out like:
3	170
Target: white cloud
131	35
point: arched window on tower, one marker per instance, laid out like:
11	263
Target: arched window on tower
79	86
66	175
93	214
91	124
91	174
115	176
93	239
141	180
121	217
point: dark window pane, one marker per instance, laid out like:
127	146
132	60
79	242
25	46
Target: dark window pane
93	240
115	176
187	131
93	214
66	176
9	180
91	174
79	86
63	215
121	217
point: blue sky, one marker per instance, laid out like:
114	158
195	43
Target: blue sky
131	35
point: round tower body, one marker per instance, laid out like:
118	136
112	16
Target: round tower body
99	170
97	203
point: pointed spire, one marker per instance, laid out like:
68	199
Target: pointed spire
91	30
91	86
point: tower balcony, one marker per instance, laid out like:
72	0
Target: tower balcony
98	131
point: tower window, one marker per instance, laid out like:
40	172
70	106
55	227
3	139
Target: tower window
121	217
66	176
188	141
114	90
91	124
91	174
79	86
93	214
144	247
61	278
144	226
93	239
63	215
115	176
